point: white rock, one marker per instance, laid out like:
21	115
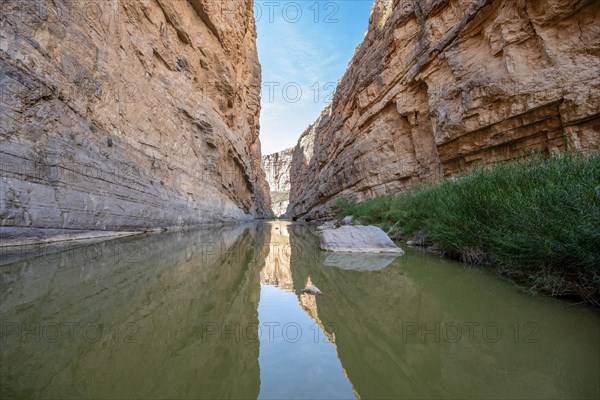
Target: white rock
358	239
326	225
348	220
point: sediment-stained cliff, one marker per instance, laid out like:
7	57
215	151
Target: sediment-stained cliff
277	169
129	114
438	86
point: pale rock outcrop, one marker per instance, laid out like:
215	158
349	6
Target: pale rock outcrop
122	114
358	239
277	168
438	86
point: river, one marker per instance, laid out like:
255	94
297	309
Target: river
218	313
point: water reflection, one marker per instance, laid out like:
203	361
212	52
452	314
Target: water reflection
430	328
297	359
359	262
218	313
148	320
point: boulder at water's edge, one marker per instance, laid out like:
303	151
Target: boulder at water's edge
358	239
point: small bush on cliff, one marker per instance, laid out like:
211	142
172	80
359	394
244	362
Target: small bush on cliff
536	220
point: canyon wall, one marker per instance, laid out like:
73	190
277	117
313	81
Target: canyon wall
123	114
277	168
438	86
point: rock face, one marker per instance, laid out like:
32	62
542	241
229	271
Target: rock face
125	114
277	168
438	86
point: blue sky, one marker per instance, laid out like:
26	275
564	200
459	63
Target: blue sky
304	48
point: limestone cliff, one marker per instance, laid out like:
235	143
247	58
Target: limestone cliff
438	86
277	168
125	114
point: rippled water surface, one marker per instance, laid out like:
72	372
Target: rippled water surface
219	313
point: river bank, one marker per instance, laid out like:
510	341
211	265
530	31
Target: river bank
536	221
15	237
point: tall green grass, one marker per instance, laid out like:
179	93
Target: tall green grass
536	220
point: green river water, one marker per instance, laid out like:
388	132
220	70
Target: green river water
218	313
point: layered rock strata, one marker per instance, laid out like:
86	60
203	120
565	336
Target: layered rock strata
438	86
125	114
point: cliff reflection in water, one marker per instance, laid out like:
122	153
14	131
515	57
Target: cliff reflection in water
425	327
217	313
147	318
298	359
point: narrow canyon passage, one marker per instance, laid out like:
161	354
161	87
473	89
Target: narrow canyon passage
164	165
